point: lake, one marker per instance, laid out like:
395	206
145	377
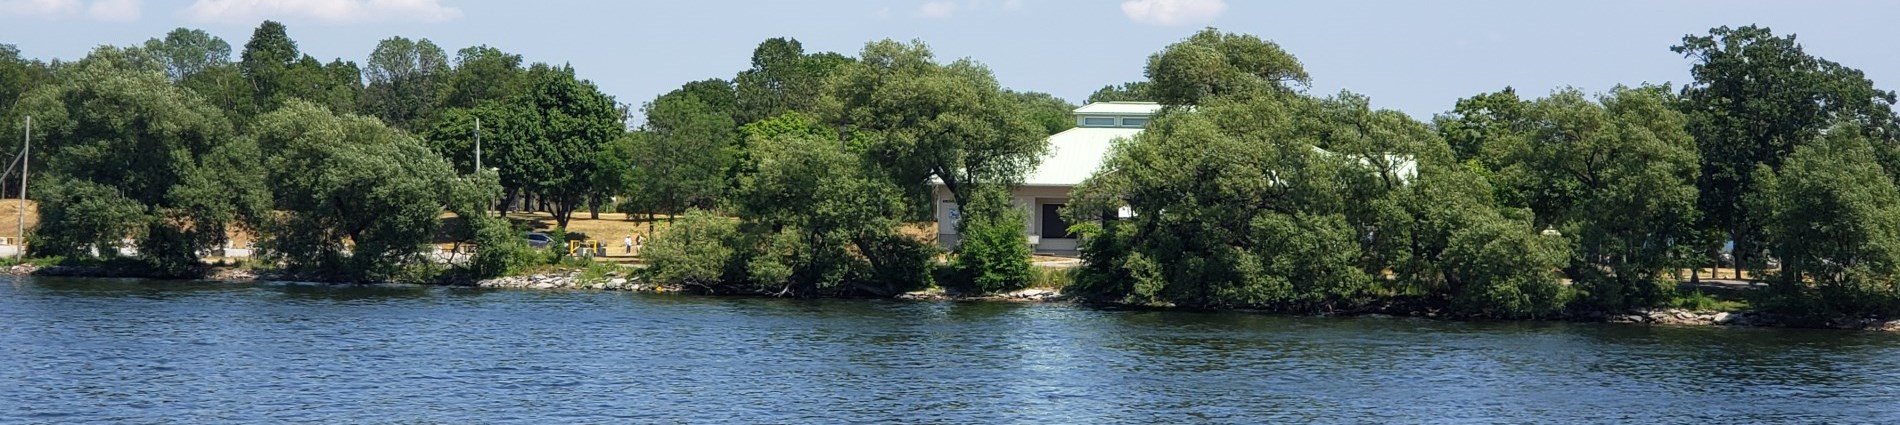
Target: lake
135	351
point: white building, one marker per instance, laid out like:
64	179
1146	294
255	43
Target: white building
1074	154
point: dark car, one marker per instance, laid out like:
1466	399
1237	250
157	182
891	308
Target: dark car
539	240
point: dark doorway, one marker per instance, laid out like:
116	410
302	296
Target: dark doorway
1053	226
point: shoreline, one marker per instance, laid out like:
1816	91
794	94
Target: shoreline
571	280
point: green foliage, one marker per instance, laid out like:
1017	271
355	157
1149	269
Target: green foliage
357	200
1499	268
1211	64
499	249
81	216
405	77
482	74
818	213
1834	221
132	156
1127	92
695	250
916	119
783	79
684	156
1048	111
278	73
1756	96
992	255
1617	176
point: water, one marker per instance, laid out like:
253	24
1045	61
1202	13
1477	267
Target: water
130	351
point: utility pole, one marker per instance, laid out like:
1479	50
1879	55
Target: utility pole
26	155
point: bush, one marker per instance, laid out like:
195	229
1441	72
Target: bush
499	249
993	256
695	250
1500	268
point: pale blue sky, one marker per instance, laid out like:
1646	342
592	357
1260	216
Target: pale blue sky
1416	57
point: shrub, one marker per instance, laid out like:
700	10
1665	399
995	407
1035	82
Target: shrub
695	250
499	249
993	256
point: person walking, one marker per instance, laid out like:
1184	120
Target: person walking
629	243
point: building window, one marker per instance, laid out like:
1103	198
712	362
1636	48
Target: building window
1134	121
1053	226
1098	121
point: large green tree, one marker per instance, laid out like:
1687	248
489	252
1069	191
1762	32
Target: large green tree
129	155
357	200
1212	64
1833	218
405	79
278	73
684	155
783	78
482	74
923	121
563	124
1618	176
1755	97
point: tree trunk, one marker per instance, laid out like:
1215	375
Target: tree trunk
508	200
593	207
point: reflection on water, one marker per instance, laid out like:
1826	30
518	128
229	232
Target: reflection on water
90	350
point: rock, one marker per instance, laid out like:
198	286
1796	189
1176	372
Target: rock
1891	326
1721	318
616	281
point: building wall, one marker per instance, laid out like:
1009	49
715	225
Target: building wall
1029	200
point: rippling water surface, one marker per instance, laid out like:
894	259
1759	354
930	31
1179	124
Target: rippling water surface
117	351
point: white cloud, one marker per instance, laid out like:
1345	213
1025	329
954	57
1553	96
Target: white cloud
45	8
1173	12
331	11
939	9
114	10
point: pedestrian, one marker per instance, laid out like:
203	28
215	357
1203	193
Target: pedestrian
629	243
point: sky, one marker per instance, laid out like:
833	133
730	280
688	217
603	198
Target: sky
1413	56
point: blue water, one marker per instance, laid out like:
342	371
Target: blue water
130	351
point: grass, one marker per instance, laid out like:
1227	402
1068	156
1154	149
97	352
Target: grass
10	213
1699	301
1052	278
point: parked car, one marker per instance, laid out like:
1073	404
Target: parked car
539	240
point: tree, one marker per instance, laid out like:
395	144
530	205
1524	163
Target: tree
1136	91
1211	64
1048	111
1756	96
783	78
568	122
991	254
683	156
920	120
817	221
189	52
405	78
358	200
1233	207
482	74
1833	218
1484	129
279	73
130	155
1618	176
266	61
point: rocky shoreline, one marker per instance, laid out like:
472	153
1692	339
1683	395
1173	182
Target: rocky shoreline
571	280
615	281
